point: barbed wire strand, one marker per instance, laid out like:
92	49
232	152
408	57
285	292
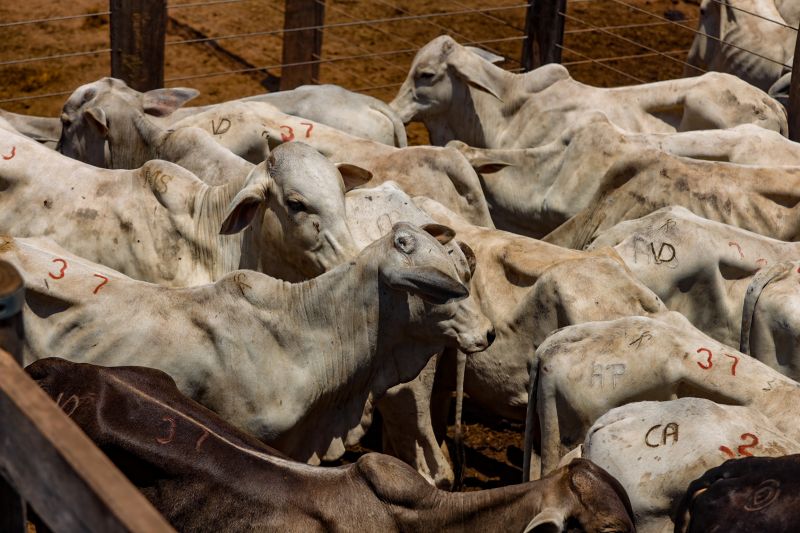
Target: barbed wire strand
34	97
203	4
620	58
342	24
57	56
631	41
609	67
321	61
698	33
623	27
492	17
53	19
754	14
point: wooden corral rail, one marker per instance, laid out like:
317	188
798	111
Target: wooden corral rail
46	460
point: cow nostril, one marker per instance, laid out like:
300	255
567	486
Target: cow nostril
491	336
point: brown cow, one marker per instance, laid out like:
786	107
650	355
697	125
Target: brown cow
205	475
752	494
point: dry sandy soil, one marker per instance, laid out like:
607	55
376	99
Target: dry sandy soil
493	448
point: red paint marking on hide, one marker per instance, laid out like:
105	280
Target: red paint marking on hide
744	447
310	127
170	432
102	283
761	262
736	244
287	137
710	364
201	440
60	272
13	153
727	451
735	362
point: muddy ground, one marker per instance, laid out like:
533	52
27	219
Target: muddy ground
493	451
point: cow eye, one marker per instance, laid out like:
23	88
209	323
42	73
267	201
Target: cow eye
427	75
296	205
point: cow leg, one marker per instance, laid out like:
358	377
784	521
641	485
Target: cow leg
549	424
408	429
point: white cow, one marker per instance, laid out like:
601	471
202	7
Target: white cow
532	191
656	449
751	47
355	113
291	363
581	372
703	269
459	94
160	223
45	130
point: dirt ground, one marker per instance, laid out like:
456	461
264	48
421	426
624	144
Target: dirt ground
493	452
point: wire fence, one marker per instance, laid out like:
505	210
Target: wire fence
229	48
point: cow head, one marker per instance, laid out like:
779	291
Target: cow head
104	110
303	219
585	498
433	281
439	69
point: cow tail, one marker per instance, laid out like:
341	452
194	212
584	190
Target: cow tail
458	437
762	278
529	419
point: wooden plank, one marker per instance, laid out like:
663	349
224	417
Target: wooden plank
13	517
794	96
138	28
544	31
58	470
302	46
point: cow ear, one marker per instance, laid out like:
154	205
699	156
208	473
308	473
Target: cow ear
473	70
97	117
485	54
442	233
430	284
487	165
353	175
163	102
472	261
244	206
548	520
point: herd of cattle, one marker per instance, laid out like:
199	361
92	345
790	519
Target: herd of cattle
221	296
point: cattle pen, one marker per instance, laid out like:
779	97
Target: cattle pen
232	48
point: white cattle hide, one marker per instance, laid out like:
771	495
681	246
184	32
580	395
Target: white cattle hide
702	269
459	94
584	371
532	191
656	449
45	130
291	363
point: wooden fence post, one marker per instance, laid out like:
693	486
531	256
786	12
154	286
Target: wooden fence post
138	28
302	46
544	30
13	517
794	95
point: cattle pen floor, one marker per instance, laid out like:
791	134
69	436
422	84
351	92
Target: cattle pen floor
493	448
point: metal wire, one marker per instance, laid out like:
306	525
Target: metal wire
346	24
34	97
698	33
609	67
492	17
620	58
376	87
201	4
57	56
320	61
631	41
754	14
624	26
53	19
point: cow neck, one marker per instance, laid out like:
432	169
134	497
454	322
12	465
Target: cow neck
131	144
187	438
339	308
218	254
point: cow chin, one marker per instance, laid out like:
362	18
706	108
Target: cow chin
404	105
474	334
